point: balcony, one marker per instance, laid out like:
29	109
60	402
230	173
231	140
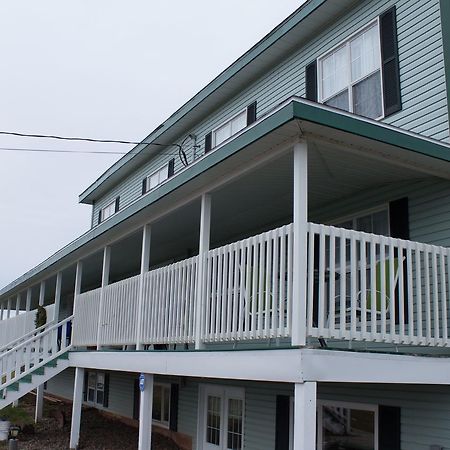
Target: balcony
360	288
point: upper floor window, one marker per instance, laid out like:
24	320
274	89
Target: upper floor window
362	74
229	128
158	176
110	209
350	75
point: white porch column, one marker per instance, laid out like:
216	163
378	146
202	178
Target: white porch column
145	262
300	243
2	309
77	288
28	300
42	293
105	282
76	408
40	389
57	296
305	416
8	306
18	299
145	414
203	248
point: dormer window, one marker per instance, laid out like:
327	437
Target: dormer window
350	75
158	177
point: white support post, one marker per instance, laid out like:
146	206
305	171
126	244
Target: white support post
42	293
18	299
305	397
145	262
76	408
2	309
203	248
300	243
145	414
28	300
8	311
77	288
105	282
57	296
40	389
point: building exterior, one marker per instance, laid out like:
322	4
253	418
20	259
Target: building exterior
279	273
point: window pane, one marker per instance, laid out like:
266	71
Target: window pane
367	97
222	134
164	173
365	53
340	101
100	396
334	72
381	223
92	380
234	431
213	420
91	395
239	123
154	180
157	402
347	429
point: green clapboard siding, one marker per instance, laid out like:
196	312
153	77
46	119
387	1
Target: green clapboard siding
422	72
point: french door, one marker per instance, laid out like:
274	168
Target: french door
223	418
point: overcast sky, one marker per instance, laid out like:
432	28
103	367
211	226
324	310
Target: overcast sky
110	69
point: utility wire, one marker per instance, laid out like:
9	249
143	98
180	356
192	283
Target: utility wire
94	152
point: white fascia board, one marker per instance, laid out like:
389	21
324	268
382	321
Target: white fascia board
285	366
272	365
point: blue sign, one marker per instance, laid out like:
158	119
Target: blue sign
141	382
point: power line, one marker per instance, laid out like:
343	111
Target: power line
94	152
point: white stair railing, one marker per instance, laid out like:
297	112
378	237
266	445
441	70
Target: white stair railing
41	348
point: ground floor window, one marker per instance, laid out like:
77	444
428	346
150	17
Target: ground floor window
96	387
347	426
161	404
222	412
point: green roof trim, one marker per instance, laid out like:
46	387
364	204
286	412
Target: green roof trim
293	109
445	24
266	42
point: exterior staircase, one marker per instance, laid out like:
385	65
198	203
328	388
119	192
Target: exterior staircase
28	363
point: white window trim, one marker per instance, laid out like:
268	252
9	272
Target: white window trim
148	177
105	208
213	133
361	213
223	392
347	405
343	43
162	423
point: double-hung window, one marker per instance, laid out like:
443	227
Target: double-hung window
108	211
96	387
350	76
158	177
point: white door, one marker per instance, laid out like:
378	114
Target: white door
223	418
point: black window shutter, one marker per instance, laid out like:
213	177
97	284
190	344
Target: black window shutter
282	423
399	218
171	170
399	228
208	142
117	206
85	385
136	398
389	424
106	391
99	216
173	419
311	81
144	185
390	62
251	113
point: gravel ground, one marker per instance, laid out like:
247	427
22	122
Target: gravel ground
97	431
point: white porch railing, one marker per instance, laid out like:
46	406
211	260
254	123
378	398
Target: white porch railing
249	288
373	288
359	287
16	328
